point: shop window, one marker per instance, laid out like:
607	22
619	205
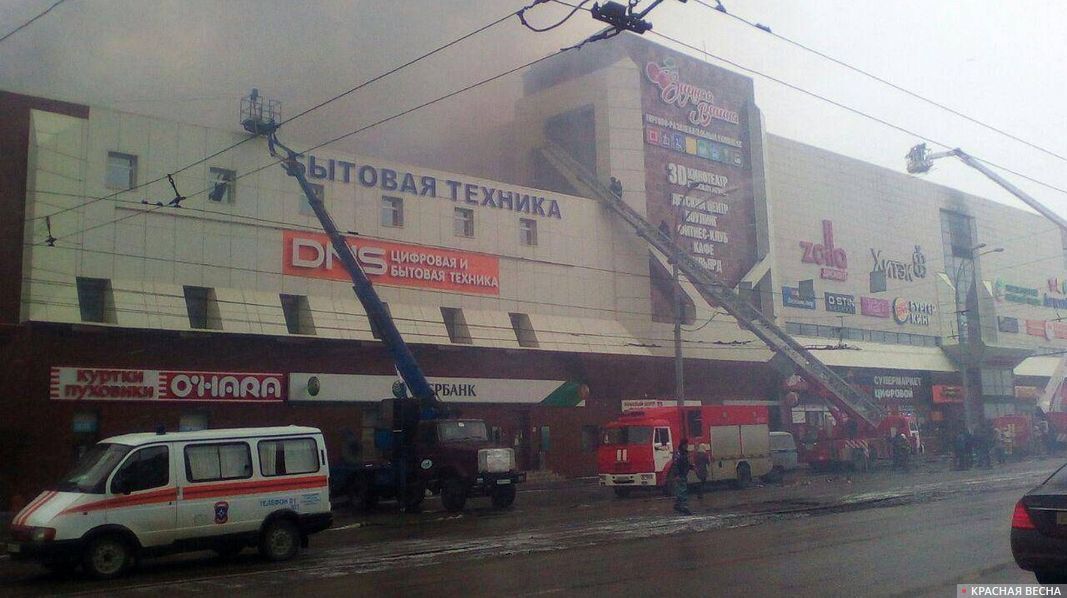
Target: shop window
297	313
376	330
809	330
998	382
121	171
192	422
146	469
305	206
524	332
203	308
792	328
392	211
546	439
527	231
289	456
463	222
223	185
215	462
590	436
96	300
456	325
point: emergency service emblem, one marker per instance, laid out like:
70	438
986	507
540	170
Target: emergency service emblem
222	511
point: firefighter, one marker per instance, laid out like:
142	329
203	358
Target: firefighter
901	451
700	464
681	481
985	446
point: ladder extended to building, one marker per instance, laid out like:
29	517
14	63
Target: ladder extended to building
855	402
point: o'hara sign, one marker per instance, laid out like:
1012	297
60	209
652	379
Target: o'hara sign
311	387
422	185
111	384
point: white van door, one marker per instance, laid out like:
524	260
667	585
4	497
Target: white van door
143	495
216	495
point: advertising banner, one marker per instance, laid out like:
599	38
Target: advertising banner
697	159
315	387
109	384
310	255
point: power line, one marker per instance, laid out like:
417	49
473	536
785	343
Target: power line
884	81
298	115
30	22
855	111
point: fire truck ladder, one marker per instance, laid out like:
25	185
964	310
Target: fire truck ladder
855	402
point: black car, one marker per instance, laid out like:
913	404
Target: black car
1039	529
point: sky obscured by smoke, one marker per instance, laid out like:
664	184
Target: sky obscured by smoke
192	60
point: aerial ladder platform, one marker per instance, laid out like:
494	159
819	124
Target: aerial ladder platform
853	401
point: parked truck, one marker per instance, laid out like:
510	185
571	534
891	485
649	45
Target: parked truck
422	445
637	449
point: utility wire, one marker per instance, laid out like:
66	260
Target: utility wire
522	16
296	116
884	81
30	22
855	111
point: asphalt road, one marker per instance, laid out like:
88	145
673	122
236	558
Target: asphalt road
879	534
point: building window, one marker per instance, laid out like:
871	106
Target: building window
121	171
590	436
527	231
456	325
463	223
95	300
376	330
524	331
223	185
998	382
305	206
392	211
297	313
203	308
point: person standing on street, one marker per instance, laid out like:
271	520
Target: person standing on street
681	481
700	464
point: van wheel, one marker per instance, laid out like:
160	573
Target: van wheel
107	557
454	495
622	491
280	540
744	476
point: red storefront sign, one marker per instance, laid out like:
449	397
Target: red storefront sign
944	393
110	384
310	255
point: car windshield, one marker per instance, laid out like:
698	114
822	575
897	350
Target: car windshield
451	431
93	468
629	435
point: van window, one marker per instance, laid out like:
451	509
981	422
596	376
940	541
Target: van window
214	462
289	456
145	469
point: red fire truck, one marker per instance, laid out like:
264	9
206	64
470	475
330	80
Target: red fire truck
841	435
637	450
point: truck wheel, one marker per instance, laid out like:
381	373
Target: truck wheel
621	491
453	495
744	476
860	462
107	557
280	540
360	496
503	496
775	474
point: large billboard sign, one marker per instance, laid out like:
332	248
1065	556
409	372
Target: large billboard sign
311	255
698	164
111	384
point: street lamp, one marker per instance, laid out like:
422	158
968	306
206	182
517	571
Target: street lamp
962	329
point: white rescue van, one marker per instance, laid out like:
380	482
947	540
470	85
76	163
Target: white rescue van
142	495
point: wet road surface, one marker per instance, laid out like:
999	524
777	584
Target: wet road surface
883	533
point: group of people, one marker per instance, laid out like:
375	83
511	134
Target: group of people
985	444
699	463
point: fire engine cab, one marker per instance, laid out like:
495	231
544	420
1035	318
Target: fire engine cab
637	449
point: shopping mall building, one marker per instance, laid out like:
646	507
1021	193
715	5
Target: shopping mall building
526	304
